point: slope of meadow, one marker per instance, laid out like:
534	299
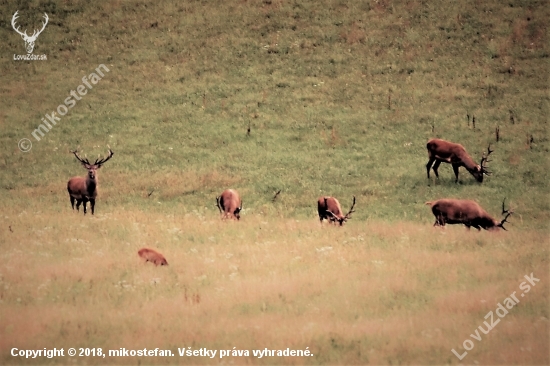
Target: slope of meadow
339	98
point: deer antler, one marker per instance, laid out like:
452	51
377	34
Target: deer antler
332	214
13	19
35	34
507	212
84	162
99	162
351	210
484	160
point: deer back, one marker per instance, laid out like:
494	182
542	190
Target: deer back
451	153
230	202
331	204
467	212
454	209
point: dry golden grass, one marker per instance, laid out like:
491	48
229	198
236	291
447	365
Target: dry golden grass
369	292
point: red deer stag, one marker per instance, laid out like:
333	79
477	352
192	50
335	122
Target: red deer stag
230	204
85	189
329	208
152	256
448	152
467	212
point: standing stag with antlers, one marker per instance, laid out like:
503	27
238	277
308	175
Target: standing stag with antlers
441	151
85	189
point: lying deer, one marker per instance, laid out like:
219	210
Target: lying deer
152	256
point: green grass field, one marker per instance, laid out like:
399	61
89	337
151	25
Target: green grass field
339	99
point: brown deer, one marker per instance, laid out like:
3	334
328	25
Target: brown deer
83	189
229	203
329	209
466	212
152	256
448	152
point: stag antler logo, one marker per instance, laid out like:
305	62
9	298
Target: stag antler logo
29	41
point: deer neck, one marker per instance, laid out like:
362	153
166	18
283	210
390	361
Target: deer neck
91	184
468	162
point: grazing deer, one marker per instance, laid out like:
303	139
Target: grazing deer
85	189
152	256
467	212
329	208
448	152
230	204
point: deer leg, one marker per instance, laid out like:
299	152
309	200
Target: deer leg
78	202
435	167
84	202
218	204
92	204
439	222
455	169
322	215
429	166
72	201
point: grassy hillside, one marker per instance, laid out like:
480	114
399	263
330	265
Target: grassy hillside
339	98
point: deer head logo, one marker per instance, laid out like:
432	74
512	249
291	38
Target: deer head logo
29	41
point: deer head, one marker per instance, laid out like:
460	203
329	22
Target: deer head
481	169
29	41
341	219
237	211
92	167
